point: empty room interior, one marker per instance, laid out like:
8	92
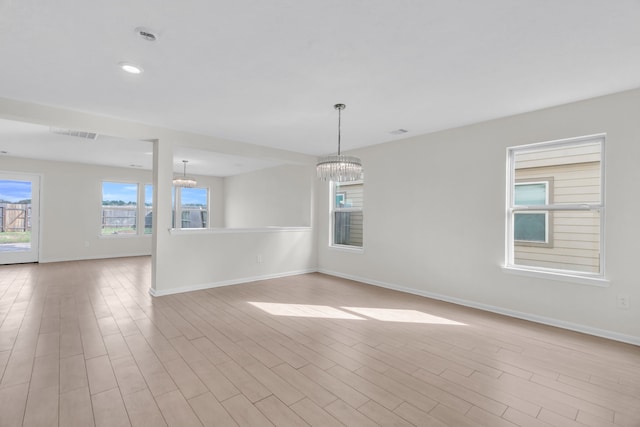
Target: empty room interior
320	213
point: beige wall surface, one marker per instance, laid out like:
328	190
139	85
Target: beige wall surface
435	215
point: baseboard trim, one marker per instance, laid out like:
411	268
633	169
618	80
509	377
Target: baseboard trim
200	287
603	333
119	255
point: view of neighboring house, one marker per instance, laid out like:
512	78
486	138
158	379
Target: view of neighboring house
561	239
348	215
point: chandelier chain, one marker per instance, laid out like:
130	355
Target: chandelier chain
339	126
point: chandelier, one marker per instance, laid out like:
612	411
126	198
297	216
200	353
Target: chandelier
339	168
184	180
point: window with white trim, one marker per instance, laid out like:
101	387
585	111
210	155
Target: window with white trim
120	213
347	214
532	227
192	209
119	208
148	209
555	202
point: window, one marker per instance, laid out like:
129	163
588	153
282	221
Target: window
119	208
555	206
532	228
346	214
120	213
148	209
193	207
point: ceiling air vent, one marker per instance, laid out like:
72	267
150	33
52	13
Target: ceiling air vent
72	132
146	34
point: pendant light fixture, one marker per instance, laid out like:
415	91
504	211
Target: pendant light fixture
339	168
184	180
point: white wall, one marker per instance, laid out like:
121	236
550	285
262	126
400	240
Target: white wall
207	259
434	221
70	209
434	215
184	261
275	197
279	196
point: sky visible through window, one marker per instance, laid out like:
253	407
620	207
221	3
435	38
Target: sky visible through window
115	191
15	191
148	195
194	197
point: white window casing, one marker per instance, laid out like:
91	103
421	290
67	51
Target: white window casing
346	216
573	170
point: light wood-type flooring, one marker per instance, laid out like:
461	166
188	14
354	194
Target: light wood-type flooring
83	344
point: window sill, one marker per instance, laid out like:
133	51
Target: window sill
178	231
562	277
345	248
121	236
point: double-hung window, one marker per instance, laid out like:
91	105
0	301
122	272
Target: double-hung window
119	208
120	213
148	209
347	214
555	207
532	227
191	207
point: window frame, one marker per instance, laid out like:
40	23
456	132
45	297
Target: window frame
137	208
548	215
333	193
140	213
591	278
143	211
177	209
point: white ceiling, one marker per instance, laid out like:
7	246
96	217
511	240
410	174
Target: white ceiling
18	139
269	72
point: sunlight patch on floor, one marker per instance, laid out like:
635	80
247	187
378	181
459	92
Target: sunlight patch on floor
304	310
401	315
351	313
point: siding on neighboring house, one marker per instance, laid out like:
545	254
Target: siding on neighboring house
574	177
351	231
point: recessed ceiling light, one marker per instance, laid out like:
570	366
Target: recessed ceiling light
131	68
